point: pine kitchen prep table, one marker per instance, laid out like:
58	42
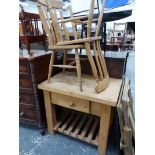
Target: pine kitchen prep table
87	114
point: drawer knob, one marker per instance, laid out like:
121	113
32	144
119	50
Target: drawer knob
21	114
72	104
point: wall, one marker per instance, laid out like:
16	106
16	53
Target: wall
29	6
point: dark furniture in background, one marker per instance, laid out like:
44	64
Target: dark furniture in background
30	30
118	35
112	16
108	17
131	26
33	70
115	64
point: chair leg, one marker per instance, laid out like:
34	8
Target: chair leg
102	85
102	60
97	60
91	60
64	59
51	65
78	67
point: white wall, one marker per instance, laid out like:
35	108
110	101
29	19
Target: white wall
79	5
29	6
124	20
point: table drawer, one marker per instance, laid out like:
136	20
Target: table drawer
24	67
25	82
27	112
26	98
70	102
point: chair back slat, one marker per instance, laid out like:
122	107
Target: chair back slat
46	25
53	15
64	27
100	19
49	22
73	24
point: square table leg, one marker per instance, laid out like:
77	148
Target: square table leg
50	112
104	129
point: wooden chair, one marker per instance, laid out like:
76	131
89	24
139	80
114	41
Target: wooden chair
29	30
126	119
118	34
59	41
52	38
129	40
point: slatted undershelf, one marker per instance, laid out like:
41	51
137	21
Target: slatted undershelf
79	125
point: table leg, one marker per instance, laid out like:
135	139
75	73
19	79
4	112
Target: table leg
50	112
104	129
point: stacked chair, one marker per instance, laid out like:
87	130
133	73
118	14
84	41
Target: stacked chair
51	15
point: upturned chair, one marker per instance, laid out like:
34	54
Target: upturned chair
59	39
49	20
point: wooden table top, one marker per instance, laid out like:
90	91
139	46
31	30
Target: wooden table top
67	84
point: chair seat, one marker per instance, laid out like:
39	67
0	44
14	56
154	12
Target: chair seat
79	41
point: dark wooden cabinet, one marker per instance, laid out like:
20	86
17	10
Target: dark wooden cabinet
115	61
33	70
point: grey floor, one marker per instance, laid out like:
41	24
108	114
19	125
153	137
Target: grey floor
32	143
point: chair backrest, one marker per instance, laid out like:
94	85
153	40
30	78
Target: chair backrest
51	14
30	23
92	7
119	29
